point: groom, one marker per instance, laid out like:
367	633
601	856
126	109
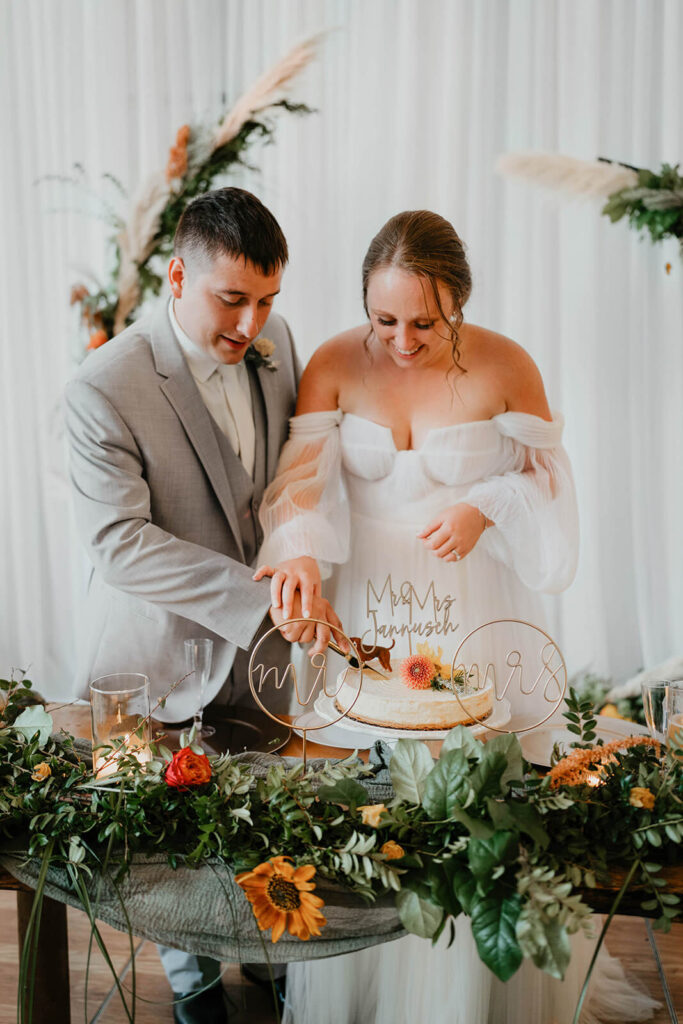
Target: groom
175	427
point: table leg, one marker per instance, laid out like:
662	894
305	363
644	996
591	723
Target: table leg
51	1000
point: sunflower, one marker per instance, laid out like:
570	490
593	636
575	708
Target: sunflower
281	896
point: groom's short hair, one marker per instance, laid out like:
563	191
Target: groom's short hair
233	222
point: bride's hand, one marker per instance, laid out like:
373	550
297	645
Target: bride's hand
300	574
454	533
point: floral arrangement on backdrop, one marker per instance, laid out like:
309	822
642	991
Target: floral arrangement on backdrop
477	831
652	201
198	157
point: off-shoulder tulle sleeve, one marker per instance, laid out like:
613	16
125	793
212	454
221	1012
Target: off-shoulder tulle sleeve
304	510
533	505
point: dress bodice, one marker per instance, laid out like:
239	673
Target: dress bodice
339	467
402	483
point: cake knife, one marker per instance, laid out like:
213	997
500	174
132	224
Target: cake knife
353	661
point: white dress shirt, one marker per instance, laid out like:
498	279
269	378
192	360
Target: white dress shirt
225	392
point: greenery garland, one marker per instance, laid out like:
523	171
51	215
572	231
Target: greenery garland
477	831
654	205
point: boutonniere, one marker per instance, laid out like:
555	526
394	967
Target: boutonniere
260	354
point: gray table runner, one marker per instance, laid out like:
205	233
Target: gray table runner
203	911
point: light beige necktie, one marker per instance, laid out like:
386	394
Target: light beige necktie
239	409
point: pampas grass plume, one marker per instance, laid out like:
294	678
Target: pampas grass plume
590	178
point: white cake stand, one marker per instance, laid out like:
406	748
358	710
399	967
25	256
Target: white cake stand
351	735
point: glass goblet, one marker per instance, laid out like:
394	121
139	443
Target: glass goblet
198	655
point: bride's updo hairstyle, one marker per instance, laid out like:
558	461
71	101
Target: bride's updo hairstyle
423	243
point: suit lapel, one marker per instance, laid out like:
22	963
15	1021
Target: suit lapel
181	391
272	402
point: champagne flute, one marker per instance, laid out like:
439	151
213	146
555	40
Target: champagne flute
654	706
198	655
674	718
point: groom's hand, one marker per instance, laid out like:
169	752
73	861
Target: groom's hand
306	632
300	574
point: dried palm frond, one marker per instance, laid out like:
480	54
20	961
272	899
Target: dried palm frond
592	178
143	222
267	89
136	242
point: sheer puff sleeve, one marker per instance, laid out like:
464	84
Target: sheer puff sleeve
532	504
304	510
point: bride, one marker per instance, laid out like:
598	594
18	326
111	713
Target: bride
425	472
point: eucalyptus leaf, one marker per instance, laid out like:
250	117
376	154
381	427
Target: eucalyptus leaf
465	888
418	916
509	746
494	922
485	854
553	952
442	880
523	817
410	765
446	785
347	792
460	738
486	779
34	720
476	827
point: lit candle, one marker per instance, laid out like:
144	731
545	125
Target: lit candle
119	707
108	764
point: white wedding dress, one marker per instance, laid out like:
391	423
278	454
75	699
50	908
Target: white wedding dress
345	495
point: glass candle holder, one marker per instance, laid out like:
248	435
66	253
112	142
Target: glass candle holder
119	710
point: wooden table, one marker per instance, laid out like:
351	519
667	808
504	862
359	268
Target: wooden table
52	968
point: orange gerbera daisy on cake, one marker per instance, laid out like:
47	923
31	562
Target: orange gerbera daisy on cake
417	672
281	896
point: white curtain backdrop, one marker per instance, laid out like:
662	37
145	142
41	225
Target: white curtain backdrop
415	99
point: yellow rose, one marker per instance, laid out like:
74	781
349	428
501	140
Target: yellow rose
392	850
264	346
41	772
371	814
640	797
610	711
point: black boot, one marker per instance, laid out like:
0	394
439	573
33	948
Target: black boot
206	1008
265	984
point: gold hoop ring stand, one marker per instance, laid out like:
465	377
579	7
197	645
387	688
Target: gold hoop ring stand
455	664
315	689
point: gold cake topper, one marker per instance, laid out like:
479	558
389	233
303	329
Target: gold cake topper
267	681
548	675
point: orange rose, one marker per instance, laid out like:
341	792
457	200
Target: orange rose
187	769
641	797
97	338
371	813
392	850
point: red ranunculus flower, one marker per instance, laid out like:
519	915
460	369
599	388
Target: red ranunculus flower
187	769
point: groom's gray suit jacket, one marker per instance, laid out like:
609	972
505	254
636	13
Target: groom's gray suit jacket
168	513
